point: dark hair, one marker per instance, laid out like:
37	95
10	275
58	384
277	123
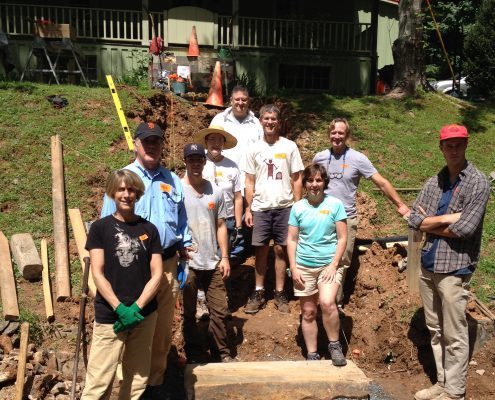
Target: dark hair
270	108
240	88
312	170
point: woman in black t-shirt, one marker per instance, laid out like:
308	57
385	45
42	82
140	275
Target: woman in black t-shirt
126	264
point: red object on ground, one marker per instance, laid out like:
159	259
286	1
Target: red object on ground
215	97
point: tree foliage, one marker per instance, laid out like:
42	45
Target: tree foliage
455	19
480	51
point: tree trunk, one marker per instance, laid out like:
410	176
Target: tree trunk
408	49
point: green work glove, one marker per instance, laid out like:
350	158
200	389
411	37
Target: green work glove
129	317
118	327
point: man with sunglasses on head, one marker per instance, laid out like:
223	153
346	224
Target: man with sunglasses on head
345	167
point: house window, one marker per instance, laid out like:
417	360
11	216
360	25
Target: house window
304	77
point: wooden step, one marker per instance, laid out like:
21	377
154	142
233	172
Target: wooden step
275	380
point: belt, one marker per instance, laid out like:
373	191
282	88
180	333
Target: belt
170	252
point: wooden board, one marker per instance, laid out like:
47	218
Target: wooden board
414	241
21	365
275	380
10	306
80	237
59	221
47	291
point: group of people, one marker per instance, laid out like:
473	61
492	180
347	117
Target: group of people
244	185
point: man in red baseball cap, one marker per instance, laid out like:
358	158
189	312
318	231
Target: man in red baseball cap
450	210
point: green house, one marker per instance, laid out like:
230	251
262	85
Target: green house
334	45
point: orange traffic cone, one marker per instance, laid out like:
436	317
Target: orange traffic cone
215	97
193	44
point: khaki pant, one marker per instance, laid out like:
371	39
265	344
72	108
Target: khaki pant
132	347
216	297
445	299
166	298
352	225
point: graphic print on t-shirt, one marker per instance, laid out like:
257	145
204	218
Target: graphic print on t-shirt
127	248
271	169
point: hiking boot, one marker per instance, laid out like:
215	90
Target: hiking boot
202	311
431	393
313	356
256	302
335	350
281	301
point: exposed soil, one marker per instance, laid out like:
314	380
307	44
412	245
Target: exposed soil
384	329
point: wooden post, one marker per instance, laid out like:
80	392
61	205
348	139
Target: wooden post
47	293
59	221
414	240
21	366
80	237
7	282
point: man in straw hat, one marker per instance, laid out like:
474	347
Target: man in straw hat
226	175
450	210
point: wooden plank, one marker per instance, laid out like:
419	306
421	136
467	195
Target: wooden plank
10	307
80	237
21	365
275	380
47	292
59	221
414	241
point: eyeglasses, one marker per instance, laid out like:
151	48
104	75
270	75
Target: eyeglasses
336	175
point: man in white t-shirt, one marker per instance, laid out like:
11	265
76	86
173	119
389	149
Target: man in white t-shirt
273	182
242	124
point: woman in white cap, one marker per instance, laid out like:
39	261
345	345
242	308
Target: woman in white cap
226	175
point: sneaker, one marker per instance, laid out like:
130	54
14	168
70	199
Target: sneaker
335	350
313	356
229	359
202	311
256	302
281	302
446	396
430	393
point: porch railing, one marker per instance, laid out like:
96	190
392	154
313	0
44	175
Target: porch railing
133	26
89	23
294	34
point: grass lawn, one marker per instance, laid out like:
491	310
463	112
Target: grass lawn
400	138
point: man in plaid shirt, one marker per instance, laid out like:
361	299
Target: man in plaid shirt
450	210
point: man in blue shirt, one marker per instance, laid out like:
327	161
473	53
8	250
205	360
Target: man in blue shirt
163	205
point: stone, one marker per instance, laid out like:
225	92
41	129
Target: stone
11	328
275	380
6	344
68	369
63	356
58	388
480	372
40	357
8	374
52	361
26	256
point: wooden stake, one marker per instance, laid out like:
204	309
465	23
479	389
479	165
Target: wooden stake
21	366
59	221
80	237
413	259
47	293
7	283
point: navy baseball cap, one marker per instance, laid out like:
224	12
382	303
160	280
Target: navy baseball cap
147	129
192	149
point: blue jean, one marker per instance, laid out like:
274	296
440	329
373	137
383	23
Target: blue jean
237	251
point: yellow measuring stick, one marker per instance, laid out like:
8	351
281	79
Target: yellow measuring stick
120	113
